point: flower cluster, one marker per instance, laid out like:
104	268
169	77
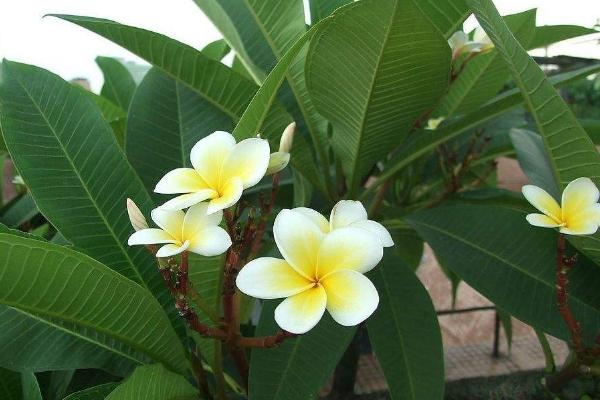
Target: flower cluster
322	267
578	213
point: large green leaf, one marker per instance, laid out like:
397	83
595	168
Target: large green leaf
119	85
571	152
320	9
216	50
446	15
154	382
372	103
75	170
94	393
549	34
405	333
486	74
427	141
513	264
18	386
299	367
55	283
21	211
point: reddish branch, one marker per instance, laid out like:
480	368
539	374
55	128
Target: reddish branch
266	341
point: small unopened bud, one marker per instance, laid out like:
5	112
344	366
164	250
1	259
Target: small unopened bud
277	162
287	138
434	123
135	216
18	180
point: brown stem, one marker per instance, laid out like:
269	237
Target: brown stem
557	381
200	374
238	355
379	197
265	341
563	266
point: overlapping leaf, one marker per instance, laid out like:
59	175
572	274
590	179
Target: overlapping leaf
154	382
372	72
446	15
119	85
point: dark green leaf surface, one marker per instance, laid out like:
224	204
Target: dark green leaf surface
10	385
20	212
153	382
403	70
59	284
75	170
94	393
405	334
511	263
298	368
119	85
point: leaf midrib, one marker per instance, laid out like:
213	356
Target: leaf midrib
84	185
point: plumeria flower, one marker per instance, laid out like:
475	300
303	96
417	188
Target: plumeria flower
318	271
194	231
348	213
434	123
459	43
280	159
222	170
578	214
482	40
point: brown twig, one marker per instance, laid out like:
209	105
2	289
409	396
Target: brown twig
266	341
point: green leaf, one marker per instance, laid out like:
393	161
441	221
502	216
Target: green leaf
94	393
76	172
407	243
23	210
533	160
372	104
119	85
153	382
320	9
299	367
405	333
31	388
506	321
110	111
446	15
216	50
562	134
426	141
549	34
511	263
18	386
60	285
485	75
59	383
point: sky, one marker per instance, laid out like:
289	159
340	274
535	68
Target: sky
26	36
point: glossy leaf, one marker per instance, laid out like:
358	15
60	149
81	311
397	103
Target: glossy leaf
511	263
373	103
60	285
407	243
405	333
119	85
75	170
153	382
299	367
549	34
94	393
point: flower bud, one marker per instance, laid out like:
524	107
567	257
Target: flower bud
287	138
434	123
277	162
135	216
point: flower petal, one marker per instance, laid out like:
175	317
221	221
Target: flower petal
210	241
150	236
170	250
541	220
351	297
541	200
349	248
197	218
315	217
169	220
248	161
230	194
188	200
578	195
298	240
378	230
583	222
209	154
300	313
271	278
346	212
180	180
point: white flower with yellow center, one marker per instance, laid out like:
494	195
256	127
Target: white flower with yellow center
319	271
348	213
459	43
221	170
578	214
194	231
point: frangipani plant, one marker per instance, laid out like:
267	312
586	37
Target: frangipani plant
242	287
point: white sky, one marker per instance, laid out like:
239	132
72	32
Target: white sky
70	51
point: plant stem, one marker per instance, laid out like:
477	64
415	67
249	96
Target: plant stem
563	266
218	371
379	197
266	341
200	374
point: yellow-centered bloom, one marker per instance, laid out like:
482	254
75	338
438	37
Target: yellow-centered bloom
348	213
222	170
194	231
578	214
460	44
319	271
